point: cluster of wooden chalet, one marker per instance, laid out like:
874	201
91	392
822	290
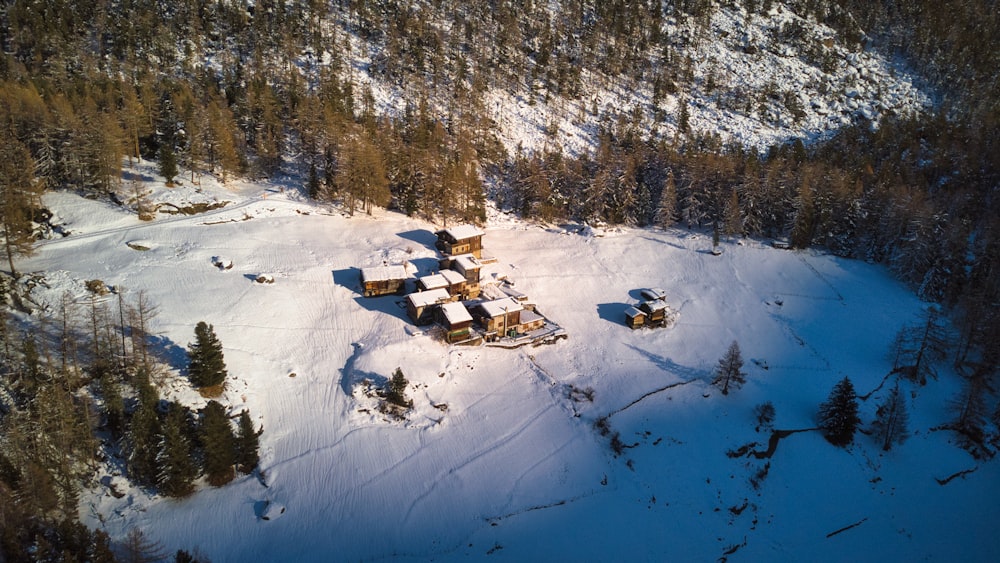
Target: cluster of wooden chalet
652	312
455	297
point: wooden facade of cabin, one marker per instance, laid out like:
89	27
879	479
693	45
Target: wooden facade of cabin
383	280
634	318
463	239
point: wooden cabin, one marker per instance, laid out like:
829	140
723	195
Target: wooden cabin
420	305
383	280
456	320
499	316
635	318
463	239
656	311
449	280
530	320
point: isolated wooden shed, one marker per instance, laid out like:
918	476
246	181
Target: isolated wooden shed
383	280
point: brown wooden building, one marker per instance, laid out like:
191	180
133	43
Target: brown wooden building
456	320
499	316
463	239
383	280
420	305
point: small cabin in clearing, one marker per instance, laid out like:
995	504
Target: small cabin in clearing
456	320
634	318
420	306
656	311
463	239
383	280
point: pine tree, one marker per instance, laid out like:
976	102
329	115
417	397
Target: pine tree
114	406
207	367
729	372
891	420
838	415
396	393
247	444
217	441
177	470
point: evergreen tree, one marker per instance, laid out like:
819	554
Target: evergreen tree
168	163
217	442
838	415
891	418
729	372
114	406
207	367
247	444
143	435
177	470
396	393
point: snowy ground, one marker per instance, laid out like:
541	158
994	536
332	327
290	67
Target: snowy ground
513	468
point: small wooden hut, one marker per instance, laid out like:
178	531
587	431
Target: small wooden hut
383	280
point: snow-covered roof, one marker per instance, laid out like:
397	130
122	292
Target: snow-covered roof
425	298
468	262
452	277
632	312
462	232
528	316
498	307
456	313
652	293
655	305
384	273
434	281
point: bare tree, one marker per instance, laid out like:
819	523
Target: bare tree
729	372
891	420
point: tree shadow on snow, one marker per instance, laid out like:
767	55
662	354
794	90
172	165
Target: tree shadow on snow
670	366
349	377
167	350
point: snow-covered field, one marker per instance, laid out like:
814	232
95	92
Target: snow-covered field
513	468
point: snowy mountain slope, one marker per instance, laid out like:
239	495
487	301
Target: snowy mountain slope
755	80
513	467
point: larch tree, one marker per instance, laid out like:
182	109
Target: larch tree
838	415
18	191
206	367
891	420
729	372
